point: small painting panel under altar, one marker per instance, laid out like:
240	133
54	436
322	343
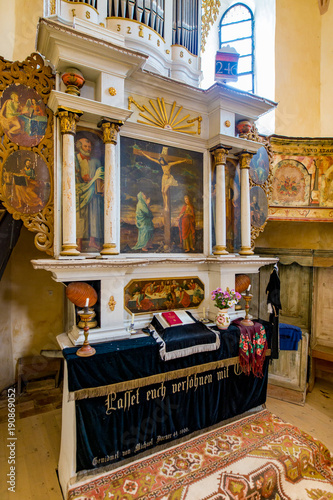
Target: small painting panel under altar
163	294
161	198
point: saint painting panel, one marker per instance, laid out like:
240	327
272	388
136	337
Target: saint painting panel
25	182
161	198
23	115
89	189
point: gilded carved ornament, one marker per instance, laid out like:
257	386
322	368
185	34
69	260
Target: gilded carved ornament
112	303
68	119
220	156
52	7
110	131
210	12
28	197
245	160
166	116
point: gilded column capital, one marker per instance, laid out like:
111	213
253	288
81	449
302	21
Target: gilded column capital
245	160
110	130
220	155
68	120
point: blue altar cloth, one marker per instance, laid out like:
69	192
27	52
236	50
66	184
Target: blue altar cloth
134	358
129	401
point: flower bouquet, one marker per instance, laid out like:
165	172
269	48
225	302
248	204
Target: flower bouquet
224	300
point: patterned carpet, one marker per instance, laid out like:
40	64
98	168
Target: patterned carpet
258	457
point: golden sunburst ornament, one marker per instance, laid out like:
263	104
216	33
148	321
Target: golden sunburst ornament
166	116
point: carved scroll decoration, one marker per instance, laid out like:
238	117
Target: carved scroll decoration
210	10
166	116
35	78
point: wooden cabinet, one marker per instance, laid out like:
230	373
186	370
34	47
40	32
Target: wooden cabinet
307	301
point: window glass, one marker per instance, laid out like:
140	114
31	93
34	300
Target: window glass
236	30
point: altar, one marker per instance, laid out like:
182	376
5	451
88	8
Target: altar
154	202
125	401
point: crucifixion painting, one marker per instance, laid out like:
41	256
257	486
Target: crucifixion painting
157	182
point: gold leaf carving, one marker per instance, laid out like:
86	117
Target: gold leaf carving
33	74
210	11
166	116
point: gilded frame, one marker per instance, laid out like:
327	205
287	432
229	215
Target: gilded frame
38	79
163	294
265	185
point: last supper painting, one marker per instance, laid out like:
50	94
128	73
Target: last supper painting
161	198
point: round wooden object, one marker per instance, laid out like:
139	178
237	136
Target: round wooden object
242	282
78	292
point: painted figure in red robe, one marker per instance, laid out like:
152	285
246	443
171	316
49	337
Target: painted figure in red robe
187	225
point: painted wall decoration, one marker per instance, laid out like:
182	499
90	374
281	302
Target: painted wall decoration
161	198
303	179
23	115
259	166
25	181
27	146
291	184
89	182
259	206
151	295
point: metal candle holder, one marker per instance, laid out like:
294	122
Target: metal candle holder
86	349
247	297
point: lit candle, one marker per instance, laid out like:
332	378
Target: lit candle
87	302
132	319
249	288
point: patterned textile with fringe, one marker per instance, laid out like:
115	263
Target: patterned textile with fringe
259	457
252	348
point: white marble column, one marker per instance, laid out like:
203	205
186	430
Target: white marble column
220	157
244	161
68	120
110	130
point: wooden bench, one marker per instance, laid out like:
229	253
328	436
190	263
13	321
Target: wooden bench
37	367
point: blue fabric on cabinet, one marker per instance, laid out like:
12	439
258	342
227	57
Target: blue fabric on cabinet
290	335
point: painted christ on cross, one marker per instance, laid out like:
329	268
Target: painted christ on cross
165	161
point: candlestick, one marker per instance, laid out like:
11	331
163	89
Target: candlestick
86	350
247	297
204	319
131	328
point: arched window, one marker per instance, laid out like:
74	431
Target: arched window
237	31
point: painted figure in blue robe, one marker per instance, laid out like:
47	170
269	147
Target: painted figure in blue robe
144	223
89	196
